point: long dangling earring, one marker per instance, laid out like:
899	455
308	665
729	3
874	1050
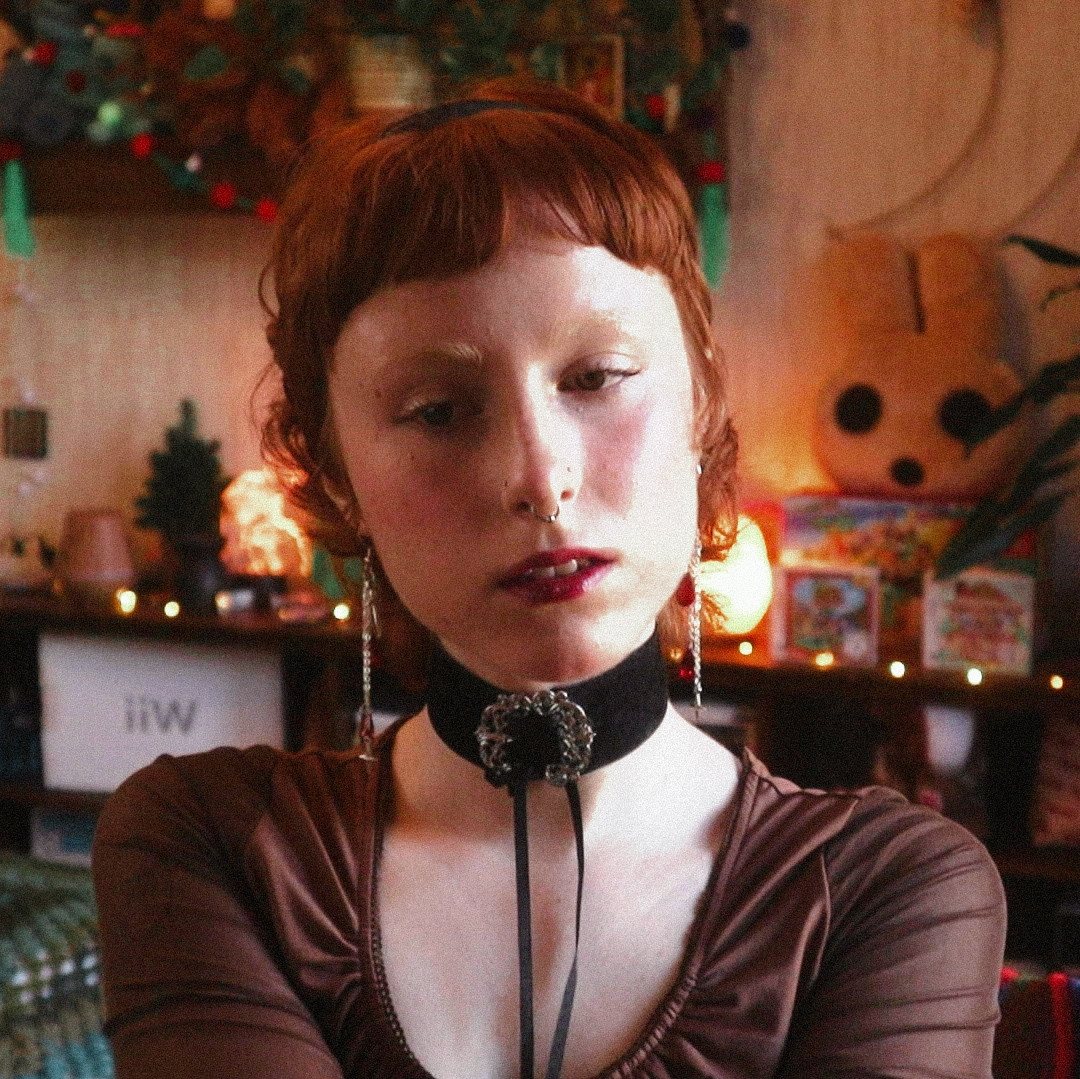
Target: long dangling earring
695	626
364	736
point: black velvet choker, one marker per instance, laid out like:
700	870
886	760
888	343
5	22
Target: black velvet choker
622	707
557	735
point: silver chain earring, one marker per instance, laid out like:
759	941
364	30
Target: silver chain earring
695	625
364	736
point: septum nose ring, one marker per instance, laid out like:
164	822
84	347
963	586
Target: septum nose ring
548	518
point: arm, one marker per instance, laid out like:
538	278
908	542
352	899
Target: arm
192	988
907	987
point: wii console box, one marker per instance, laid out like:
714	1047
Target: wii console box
112	705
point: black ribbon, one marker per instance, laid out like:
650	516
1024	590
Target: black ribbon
437	115
623	707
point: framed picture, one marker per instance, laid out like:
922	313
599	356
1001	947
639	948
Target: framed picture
826	611
980	618
592	67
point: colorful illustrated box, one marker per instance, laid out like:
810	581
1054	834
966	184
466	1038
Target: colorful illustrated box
980	618
901	539
831	610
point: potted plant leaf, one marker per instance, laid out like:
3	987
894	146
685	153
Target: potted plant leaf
1040	487
182	501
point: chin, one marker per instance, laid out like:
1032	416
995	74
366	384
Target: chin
566	657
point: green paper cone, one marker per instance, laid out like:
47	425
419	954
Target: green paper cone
713	232
18	236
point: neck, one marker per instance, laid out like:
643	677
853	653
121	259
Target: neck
437	791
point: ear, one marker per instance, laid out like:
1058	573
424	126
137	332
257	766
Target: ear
866	278
959	294
345	503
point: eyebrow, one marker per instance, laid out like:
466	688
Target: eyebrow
439	355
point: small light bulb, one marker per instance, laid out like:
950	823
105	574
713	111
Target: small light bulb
897	669
974	676
172	609
1057	682
342	611
824	659
126	600
223	602
746	648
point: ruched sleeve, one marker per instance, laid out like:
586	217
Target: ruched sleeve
193	985
907	982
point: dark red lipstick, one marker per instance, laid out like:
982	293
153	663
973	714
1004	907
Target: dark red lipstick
555	576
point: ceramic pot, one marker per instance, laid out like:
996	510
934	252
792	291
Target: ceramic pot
94	558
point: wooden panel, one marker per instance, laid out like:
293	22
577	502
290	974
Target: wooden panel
840	112
127	316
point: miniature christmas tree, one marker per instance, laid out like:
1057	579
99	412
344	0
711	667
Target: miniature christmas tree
183	491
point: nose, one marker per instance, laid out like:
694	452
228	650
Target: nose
907	472
543	455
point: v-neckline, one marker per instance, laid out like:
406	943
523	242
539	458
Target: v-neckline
670	1006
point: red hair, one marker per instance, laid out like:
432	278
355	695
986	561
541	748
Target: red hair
367	210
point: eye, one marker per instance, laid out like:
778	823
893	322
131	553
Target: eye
593	379
432	414
858	409
963	414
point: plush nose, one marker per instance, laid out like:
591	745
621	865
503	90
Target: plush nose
907	472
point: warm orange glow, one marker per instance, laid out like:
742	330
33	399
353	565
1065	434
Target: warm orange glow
1057	682
746	648
260	537
742	584
824	659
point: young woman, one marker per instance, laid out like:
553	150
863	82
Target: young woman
499	386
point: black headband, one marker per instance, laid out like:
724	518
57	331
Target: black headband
428	119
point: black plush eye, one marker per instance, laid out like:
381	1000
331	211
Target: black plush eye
858	409
963	414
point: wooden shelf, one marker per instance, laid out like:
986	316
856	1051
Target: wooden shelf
32	794
1058	864
80	178
42	611
725	671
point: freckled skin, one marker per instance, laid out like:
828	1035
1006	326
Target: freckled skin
554	375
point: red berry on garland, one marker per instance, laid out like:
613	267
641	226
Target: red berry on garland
223	195
654	106
124	28
44	53
712	172
142	145
684	594
10	150
266	210
75	81
686	667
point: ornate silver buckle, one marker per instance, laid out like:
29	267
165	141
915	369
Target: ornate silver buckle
573	734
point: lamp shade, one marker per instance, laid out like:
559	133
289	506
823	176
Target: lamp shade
741	585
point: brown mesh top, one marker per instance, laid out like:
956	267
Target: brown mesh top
841	935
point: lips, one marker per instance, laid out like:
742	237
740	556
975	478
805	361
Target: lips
554	576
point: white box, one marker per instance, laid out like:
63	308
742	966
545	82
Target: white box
111	705
59	836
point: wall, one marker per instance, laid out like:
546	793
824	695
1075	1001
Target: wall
890	113
128	316
843	112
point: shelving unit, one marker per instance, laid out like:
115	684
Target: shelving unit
1009	706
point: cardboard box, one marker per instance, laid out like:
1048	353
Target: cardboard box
57	835
980	618
902	539
826	612
110	706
